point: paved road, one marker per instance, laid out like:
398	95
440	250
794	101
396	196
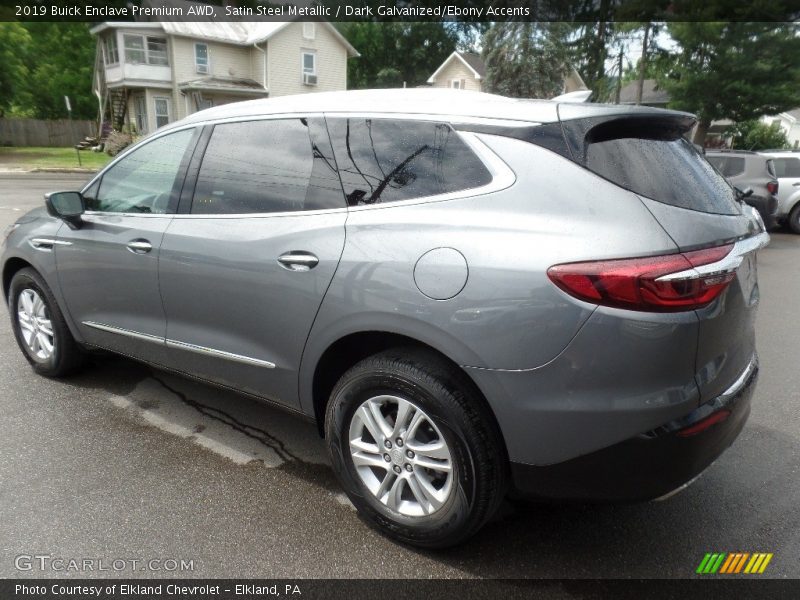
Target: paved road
123	462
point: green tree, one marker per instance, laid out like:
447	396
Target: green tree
395	53
59	62
757	135
594	35
525	59
14	45
736	71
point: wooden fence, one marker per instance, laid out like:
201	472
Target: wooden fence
37	132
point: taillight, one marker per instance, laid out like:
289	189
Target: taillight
772	187
666	283
704	424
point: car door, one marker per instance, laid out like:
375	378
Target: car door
108	267
245	265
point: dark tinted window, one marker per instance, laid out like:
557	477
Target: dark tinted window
386	160
729	166
144	180
787	167
267	166
663	167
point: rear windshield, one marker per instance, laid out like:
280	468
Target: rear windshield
660	165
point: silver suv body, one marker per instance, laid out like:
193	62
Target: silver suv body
468	293
787	170
745	169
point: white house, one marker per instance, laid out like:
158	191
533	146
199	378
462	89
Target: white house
789	121
148	74
467	71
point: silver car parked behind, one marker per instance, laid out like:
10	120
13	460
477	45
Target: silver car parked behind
470	294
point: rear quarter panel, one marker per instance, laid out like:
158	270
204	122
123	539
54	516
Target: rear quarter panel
508	315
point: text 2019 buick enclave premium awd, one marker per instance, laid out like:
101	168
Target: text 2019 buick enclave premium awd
469	294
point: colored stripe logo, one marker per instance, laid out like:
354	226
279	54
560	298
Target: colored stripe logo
734	562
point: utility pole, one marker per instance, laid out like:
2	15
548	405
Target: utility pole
642	64
619	77
69	113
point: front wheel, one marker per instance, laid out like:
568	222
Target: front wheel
415	449
39	326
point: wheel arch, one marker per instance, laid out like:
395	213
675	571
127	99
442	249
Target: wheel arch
11	267
349	349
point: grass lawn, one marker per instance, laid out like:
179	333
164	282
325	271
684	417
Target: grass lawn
32	158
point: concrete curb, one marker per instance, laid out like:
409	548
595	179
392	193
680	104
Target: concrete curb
48	170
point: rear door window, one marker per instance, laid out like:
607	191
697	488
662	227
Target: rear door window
389	160
267	166
660	165
729	166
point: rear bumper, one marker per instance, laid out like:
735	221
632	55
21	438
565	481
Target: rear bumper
651	464
767	208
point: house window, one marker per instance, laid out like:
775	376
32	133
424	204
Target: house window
140	49
157	51
309	63
111	54
201	58
457	84
162	111
140	112
308	30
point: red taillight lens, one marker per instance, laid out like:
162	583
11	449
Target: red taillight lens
772	187
704	424
640	283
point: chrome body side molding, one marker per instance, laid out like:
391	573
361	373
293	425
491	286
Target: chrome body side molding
181	345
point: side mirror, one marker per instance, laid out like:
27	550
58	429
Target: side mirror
68	206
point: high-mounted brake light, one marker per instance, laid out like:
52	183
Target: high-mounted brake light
666	283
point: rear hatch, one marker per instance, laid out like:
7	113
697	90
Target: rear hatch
646	152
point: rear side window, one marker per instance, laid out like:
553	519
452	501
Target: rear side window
388	160
729	166
787	167
660	165
280	165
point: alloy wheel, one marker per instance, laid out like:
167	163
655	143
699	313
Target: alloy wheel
35	324
401	455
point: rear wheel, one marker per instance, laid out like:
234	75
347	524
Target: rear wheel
415	449
39	326
794	218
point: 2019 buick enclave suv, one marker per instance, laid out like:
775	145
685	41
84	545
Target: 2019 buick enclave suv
470	294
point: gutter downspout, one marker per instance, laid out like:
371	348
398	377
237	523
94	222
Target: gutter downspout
264	75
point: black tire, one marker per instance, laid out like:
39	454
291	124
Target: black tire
66	355
451	402
794	219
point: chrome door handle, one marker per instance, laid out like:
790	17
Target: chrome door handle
139	246
796	184
298	261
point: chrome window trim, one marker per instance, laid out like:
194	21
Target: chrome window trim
100	213
180	345
502	175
